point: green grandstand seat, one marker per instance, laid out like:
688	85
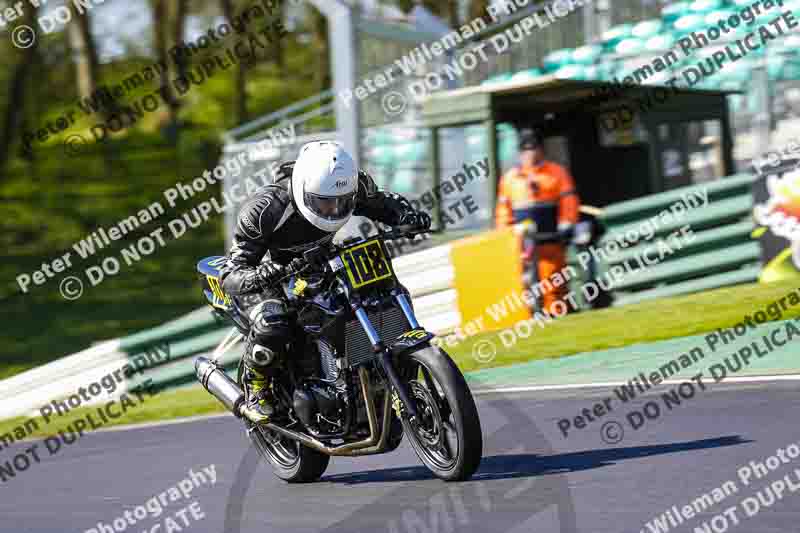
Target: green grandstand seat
660	42
382	155
587	55
497	78
605	70
647	28
629	46
591	72
718	14
792	71
742	69
380	136
401	135
788	55
672	12
557	59
775	65
614	35
784	67
658	78
740	73
790	43
732	85
403	181
712	83
702	53
788	47
573	72
764	18
735	101
527	75
688	23
704	6
410	151
504	128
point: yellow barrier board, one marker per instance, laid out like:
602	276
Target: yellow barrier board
488	281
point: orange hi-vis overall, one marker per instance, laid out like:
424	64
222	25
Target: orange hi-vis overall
546	195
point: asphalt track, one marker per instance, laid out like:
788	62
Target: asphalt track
531	478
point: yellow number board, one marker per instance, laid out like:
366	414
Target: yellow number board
366	263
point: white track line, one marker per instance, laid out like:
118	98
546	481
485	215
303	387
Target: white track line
480	392
536	388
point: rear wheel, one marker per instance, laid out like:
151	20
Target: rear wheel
447	435
291	461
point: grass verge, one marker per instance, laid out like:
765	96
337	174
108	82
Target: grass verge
609	328
615	327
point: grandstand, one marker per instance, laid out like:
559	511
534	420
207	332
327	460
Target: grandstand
601	42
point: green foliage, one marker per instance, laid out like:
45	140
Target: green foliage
57	208
51	200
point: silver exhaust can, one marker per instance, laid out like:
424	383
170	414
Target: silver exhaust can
216	381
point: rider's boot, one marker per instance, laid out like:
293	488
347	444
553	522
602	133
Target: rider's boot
258	407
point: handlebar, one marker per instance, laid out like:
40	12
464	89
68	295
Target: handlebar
398	232
321	254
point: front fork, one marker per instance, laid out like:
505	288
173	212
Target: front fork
384	354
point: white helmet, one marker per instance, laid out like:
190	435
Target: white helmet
324	184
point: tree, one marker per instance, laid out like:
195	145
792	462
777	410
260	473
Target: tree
16	90
279	56
81	40
160	25
181	9
477	9
319	41
240	92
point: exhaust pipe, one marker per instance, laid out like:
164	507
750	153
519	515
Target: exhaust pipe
224	389
217	382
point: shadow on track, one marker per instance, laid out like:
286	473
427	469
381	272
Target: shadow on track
511	466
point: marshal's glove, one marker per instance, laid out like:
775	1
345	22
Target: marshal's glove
566	231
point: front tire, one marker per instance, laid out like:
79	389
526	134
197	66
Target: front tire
447	438
290	460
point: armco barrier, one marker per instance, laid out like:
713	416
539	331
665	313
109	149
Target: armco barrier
722	254
428	274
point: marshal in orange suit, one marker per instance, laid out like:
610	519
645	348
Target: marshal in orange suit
544	192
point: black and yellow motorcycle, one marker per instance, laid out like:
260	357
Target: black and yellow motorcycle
360	372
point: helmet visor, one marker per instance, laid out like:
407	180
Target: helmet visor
330	207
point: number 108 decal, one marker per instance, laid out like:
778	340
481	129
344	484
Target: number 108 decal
366	263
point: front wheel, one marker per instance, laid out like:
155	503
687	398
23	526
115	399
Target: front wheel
447	435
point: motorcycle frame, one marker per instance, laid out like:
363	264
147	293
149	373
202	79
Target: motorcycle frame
376	442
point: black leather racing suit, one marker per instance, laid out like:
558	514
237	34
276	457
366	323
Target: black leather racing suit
270	228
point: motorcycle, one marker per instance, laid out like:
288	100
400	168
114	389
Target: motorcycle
360	373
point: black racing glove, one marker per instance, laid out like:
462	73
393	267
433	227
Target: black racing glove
404	213
270	273
420	220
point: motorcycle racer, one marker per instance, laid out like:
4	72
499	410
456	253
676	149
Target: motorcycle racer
310	200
